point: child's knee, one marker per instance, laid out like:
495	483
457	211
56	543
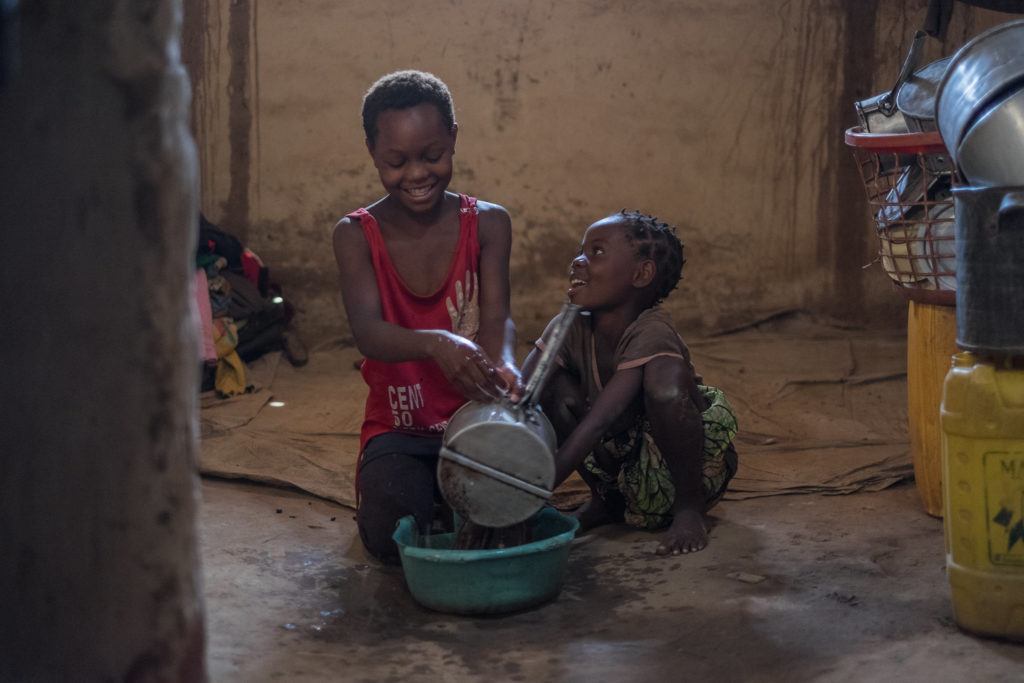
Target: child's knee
665	382
564	402
392	486
562	387
566	410
375	529
377	518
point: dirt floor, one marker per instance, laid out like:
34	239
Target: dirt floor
795	585
801	587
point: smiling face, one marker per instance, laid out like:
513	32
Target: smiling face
607	272
413	155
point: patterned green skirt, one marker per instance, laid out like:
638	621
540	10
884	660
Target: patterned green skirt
643	480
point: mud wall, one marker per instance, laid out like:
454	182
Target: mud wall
98	427
725	118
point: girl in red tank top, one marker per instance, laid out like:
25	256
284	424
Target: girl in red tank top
414	396
425	281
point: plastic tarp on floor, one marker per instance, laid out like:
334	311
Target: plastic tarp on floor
822	409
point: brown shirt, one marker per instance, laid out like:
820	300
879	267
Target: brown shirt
650	336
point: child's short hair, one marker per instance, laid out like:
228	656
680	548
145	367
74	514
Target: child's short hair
402	90
657	241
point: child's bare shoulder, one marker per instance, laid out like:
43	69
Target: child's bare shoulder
349	241
495	225
348	231
351	226
493	216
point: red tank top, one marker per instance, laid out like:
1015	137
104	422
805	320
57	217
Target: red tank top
414	397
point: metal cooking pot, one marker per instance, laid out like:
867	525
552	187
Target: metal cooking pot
916	102
879	114
992	151
916	97
986	66
497	464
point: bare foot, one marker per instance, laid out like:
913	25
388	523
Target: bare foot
592	514
688	534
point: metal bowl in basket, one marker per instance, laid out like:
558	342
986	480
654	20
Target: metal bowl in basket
915	227
908	186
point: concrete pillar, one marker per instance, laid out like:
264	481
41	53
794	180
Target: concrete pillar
98	564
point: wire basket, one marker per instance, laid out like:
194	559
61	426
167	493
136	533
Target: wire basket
909	180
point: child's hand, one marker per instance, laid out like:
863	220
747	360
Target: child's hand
509	374
467	367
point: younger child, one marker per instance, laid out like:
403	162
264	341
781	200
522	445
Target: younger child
425	281
632	416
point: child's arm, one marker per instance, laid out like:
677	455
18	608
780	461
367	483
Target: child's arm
497	333
621	390
462	362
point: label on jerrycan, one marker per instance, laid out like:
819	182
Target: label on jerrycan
1004	503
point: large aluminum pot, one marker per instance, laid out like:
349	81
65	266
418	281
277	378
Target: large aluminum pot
497	464
986	66
992	151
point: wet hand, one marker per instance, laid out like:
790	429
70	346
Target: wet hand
508	374
467	367
688	534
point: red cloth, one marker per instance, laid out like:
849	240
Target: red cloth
413	397
251	264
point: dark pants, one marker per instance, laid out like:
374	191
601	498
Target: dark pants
397	477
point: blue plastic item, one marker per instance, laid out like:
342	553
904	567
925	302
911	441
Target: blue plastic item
486	581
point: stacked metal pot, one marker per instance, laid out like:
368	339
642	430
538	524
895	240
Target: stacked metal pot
914	214
980	115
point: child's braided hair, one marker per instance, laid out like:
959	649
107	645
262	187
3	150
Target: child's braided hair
402	90
656	240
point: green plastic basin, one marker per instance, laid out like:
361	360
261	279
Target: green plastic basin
486	581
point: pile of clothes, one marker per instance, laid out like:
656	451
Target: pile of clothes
243	314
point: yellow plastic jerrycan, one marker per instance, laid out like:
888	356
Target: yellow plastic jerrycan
982	418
